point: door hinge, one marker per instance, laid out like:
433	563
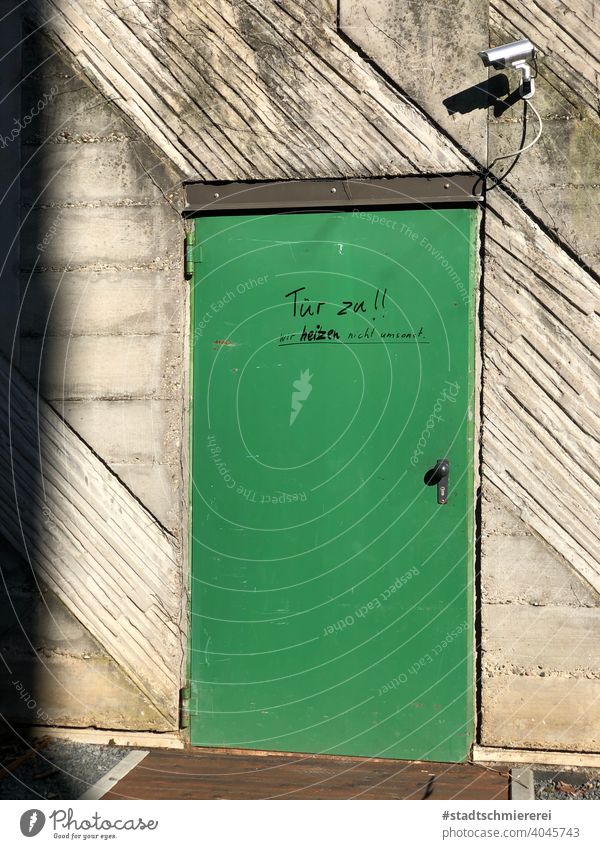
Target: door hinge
184	706
190	244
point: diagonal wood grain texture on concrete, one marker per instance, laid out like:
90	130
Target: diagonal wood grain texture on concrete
559	181
242	90
540	385
91	542
431	51
568	34
254	89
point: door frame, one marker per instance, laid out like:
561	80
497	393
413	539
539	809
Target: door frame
428	191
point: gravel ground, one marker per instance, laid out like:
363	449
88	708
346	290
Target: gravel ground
55	769
566	784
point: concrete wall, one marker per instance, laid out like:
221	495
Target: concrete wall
55	672
540	643
398	90
101	335
558	179
10	151
103	297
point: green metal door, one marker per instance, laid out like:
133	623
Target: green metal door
333	359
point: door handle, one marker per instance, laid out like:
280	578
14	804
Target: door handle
439	476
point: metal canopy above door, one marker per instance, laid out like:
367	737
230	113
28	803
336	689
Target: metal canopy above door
312	194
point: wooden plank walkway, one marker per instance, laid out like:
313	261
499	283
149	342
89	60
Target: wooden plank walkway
214	774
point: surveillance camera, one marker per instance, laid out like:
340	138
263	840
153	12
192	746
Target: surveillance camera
514	55
509	55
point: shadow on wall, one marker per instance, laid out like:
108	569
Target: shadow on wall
50	660
93	291
494	91
21	595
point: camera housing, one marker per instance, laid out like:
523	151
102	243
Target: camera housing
509	55
516	55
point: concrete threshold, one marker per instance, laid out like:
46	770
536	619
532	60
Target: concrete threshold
490	754
138	739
